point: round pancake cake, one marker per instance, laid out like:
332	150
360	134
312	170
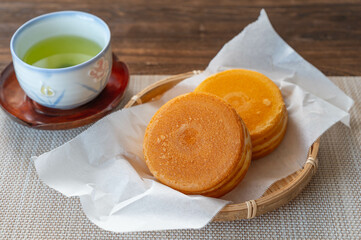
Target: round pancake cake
257	100
197	144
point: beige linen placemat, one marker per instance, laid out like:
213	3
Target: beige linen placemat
329	207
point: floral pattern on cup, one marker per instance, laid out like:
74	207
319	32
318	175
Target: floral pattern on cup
100	70
47	96
47	91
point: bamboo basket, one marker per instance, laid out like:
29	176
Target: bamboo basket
278	194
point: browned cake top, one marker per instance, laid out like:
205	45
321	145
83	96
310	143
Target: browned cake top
193	142
257	99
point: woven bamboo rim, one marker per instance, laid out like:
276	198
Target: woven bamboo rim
278	194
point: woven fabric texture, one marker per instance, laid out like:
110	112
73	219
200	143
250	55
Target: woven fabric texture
328	208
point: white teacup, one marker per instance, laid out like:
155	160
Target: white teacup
70	87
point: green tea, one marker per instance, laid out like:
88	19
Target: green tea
61	52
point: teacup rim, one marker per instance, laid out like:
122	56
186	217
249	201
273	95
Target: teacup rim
53	14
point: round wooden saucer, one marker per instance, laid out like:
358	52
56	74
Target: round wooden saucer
23	110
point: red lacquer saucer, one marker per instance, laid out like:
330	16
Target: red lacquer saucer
23	110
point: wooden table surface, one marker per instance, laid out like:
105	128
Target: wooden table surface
170	37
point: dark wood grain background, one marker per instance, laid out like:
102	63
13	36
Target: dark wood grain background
170	37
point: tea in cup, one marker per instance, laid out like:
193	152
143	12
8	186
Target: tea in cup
63	59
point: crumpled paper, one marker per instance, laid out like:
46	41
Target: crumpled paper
104	164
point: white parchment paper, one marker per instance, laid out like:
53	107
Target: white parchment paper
104	165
